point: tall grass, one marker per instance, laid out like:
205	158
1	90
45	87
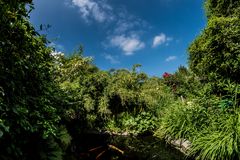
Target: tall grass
220	141
214	133
182	120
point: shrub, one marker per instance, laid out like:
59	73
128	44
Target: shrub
183	82
141	123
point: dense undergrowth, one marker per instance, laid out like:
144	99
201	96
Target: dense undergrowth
47	99
210	118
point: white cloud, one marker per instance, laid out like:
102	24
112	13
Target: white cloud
127	44
161	39
125	26
126	22
97	10
126	32
112	59
170	58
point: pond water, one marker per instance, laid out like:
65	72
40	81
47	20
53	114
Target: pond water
106	147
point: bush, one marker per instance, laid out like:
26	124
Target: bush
183	82
141	123
26	83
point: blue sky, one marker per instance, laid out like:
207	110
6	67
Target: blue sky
120	33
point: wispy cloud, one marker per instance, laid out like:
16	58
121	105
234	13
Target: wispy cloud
160	40
125	30
112	59
170	58
128	45
98	10
127	22
122	26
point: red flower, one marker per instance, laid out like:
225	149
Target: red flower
166	75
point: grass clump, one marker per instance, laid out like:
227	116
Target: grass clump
212	124
220	140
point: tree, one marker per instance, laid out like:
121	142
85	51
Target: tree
26	110
222	8
215	54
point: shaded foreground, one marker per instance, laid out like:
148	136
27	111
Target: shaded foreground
103	146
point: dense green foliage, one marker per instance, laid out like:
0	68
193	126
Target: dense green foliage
215	54
48	100
222	8
210	117
25	82
94	97
183	83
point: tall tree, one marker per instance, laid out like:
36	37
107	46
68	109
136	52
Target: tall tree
215	54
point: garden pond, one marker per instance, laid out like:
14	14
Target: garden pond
110	147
